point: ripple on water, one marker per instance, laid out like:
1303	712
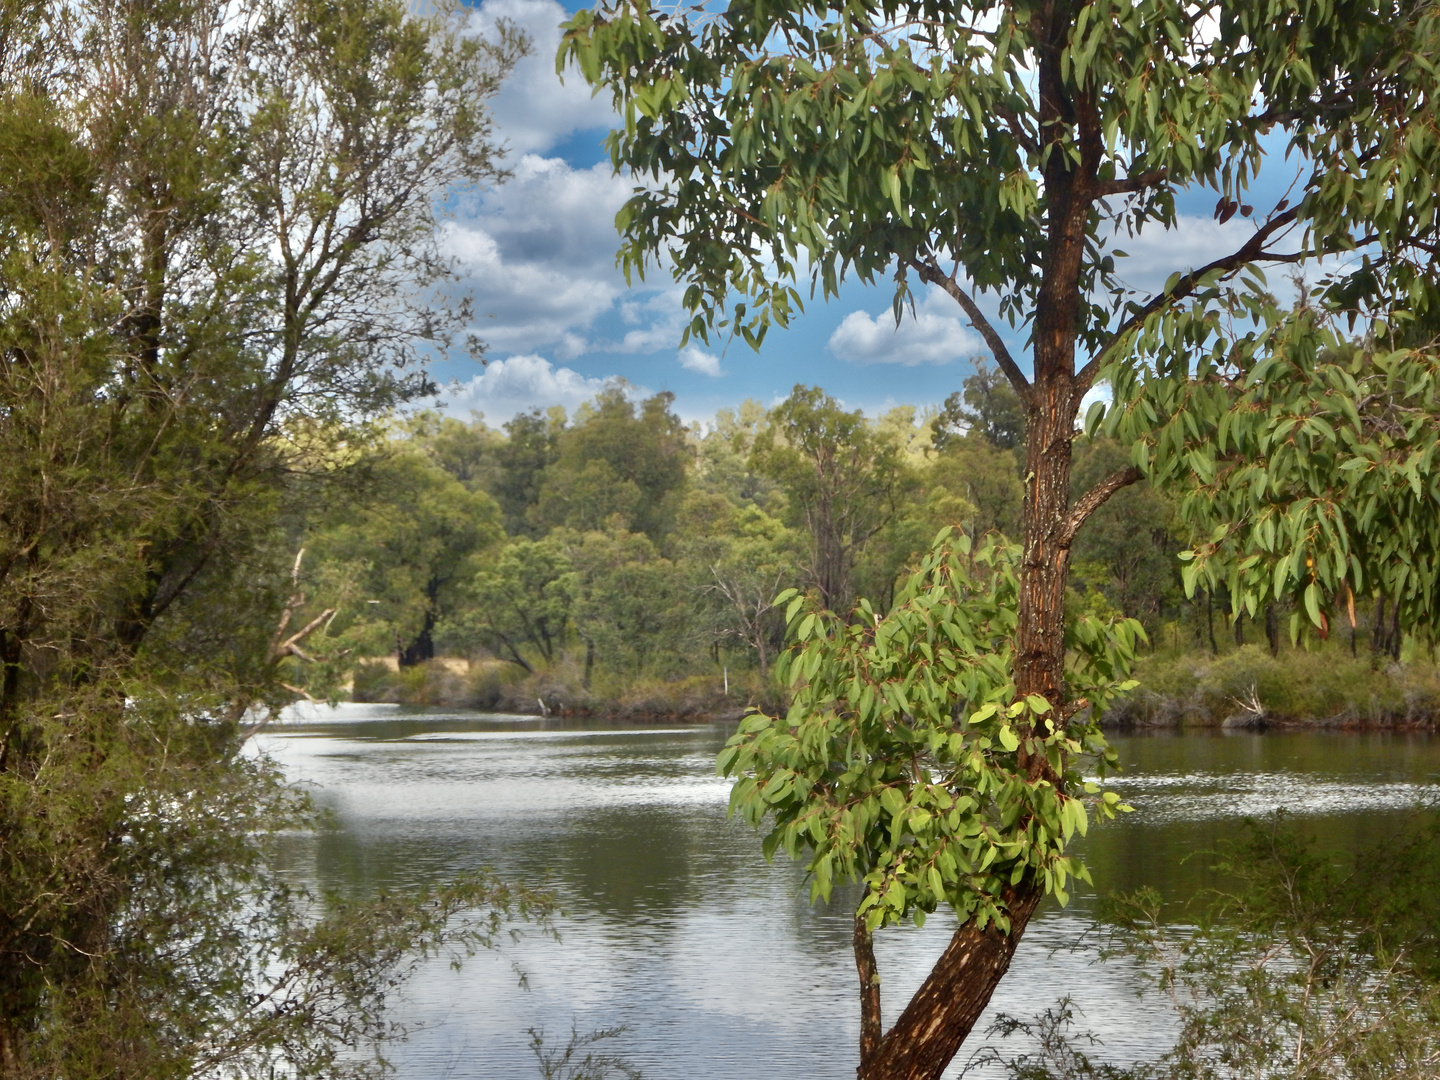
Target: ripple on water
678	928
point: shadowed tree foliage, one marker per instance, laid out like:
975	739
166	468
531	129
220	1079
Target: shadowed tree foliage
217	244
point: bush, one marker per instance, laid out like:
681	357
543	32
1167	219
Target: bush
1248	686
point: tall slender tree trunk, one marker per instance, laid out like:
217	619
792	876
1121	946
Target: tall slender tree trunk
870	1023
945	1009
1045	557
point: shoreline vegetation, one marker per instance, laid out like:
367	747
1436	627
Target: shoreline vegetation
1242	689
621	563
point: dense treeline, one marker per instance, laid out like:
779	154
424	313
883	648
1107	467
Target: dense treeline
620	556
619	547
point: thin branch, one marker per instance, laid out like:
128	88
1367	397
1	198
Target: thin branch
288	646
1095	498
1253	250
1131	184
1017	129
932	273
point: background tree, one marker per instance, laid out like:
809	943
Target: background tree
616	459
521	599
1013	141
528	450
409	547
841	479
753	564
630	601
987	407
1128	549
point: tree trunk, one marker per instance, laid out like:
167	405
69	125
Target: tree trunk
1272	629
946	1007
422	648
1045	559
944	1010
870	1028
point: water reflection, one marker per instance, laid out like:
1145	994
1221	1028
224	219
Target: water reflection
677	927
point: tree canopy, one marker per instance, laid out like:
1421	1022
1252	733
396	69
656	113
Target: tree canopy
218	258
1007	148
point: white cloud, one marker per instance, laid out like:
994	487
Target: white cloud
693	358
511	386
936	333
538	254
535	111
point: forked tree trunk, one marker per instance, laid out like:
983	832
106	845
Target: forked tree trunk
944	1010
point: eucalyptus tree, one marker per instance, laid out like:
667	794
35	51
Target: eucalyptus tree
1002	146
843	478
218	259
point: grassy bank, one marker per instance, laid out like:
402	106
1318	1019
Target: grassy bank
1243	687
499	686
1247	687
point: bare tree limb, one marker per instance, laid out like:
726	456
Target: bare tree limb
930	272
1095	498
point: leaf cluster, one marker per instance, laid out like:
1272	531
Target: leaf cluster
1305	461
906	760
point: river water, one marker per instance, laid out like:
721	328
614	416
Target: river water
677	929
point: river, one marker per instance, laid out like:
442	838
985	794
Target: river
677	929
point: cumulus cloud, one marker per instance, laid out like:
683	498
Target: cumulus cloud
538	254
534	111
693	358
519	383
936	333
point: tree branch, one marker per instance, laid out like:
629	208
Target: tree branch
1131	184
1017	129
932	273
1253	250
1095	498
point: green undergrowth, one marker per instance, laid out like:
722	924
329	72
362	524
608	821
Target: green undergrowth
501	686
1247	687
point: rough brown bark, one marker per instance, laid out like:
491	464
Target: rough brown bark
1045	558
944	1010
870	1028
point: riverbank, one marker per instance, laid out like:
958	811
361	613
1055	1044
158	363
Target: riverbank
491	685
1243	688
1246	687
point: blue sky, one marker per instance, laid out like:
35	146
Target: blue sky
538	255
